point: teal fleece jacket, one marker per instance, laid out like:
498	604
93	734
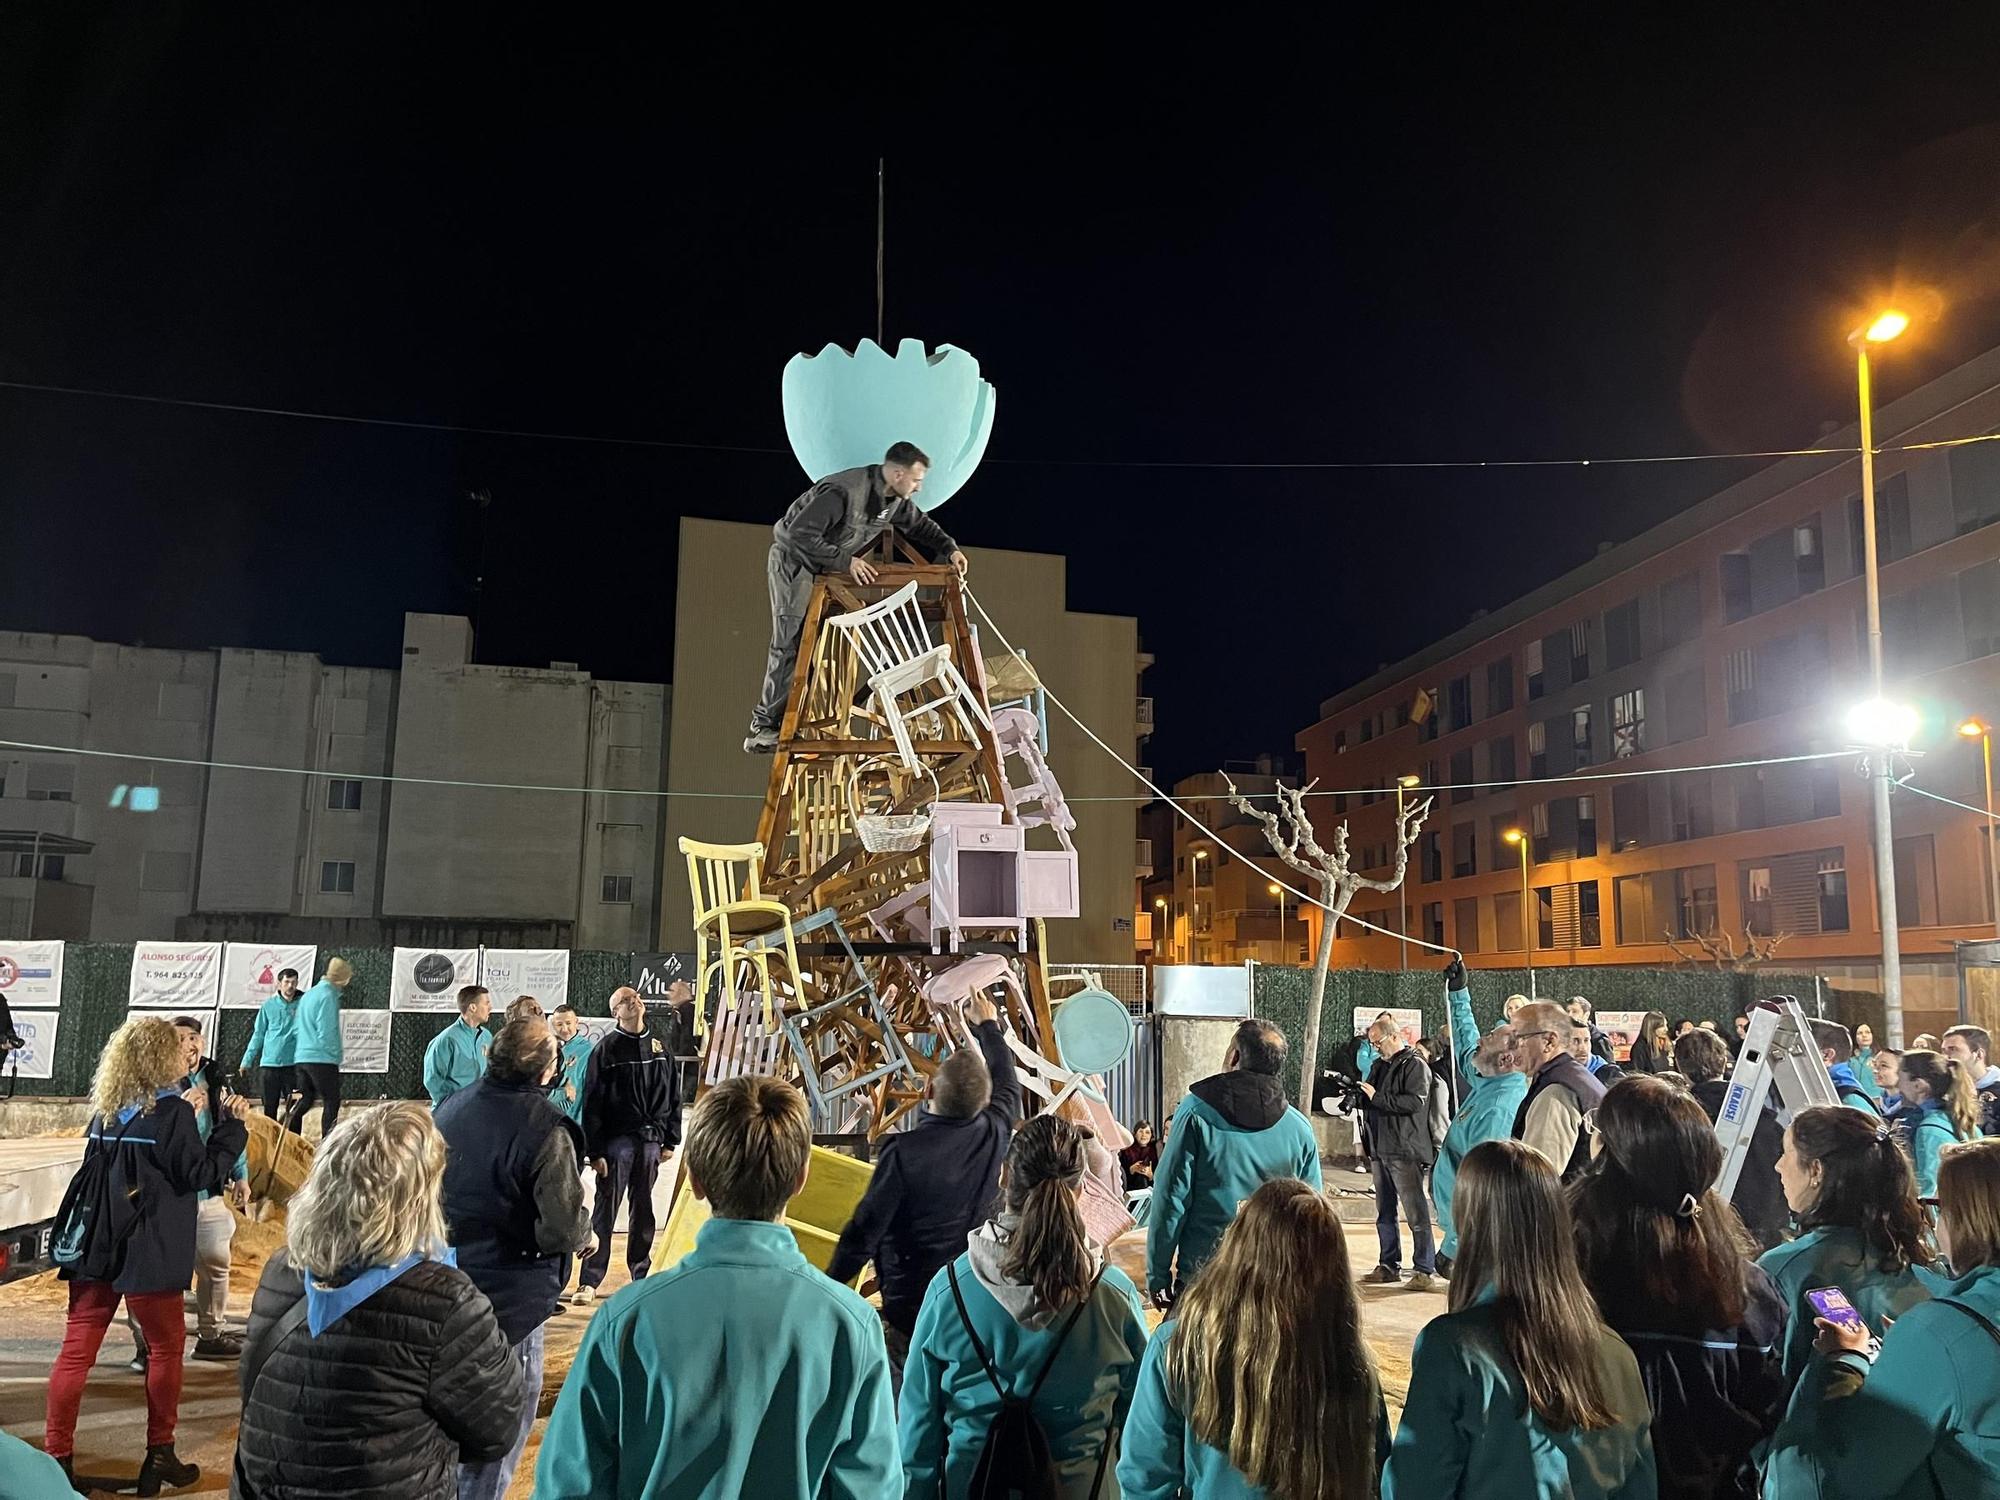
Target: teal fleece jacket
275	1036
1486	1112
317	1035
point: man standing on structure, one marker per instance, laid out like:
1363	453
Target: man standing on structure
826	530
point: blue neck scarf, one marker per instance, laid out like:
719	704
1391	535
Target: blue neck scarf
327	1305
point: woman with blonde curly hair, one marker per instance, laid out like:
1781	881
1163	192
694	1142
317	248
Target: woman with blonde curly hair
151	1143
372	1365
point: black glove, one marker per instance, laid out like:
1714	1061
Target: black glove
1454	973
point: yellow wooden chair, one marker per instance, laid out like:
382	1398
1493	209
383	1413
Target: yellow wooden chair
715	884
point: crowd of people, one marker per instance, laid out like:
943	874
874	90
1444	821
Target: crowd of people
1615	1328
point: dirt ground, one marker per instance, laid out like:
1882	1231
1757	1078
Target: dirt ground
111	1434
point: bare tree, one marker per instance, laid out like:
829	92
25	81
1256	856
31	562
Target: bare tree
1289	832
1720	949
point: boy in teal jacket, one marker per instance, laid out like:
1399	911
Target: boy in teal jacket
273	1041
1493	1090
741	1370
456	1057
566	1091
1232	1133
317	1047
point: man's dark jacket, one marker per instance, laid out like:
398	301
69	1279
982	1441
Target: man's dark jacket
631	1086
1398	1121
1760	1197
513	1197
932	1186
840	517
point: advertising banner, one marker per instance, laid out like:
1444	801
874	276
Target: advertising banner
175	976
1621	1026
250	971
511	972
364	1039
429	979
38	1059
31	974
653	974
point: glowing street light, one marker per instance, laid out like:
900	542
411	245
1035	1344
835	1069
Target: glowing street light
1888	324
1881	723
1518	837
1976	729
1279	891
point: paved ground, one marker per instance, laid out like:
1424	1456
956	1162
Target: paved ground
111	1435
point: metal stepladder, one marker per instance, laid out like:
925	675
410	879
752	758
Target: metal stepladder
1778	1049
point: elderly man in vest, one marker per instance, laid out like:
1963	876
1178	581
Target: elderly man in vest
513	1202
1561	1092
826	530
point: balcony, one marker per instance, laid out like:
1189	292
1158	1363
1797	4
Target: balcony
1143	716
1142	858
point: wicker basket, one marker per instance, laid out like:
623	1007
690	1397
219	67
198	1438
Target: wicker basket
886	833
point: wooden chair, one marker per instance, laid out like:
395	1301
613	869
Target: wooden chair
714	883
894	647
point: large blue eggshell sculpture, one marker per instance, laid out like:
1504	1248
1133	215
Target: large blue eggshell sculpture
844	410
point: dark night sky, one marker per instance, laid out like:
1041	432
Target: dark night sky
1383	241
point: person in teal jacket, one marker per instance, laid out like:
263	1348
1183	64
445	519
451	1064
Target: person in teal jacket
273	1040
1493	1088
456	1057
573	1056
741	1370
1923	1420
1233	1132
317	1048
1940	1108
1474	1427
1065	1325
1280	1293
1861	1228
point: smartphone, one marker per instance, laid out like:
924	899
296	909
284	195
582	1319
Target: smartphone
1831	1303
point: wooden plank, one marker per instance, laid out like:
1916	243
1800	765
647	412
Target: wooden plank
963	648
884	746
774	788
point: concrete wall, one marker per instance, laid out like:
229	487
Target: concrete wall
722	631
254	824
353	729
1191	1048
621	835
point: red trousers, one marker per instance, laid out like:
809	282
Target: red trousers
91	1305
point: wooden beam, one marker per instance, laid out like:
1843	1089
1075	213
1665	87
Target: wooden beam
804	747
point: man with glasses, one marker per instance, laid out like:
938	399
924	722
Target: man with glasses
1561	1093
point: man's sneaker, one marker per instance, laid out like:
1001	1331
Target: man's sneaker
222	1346
1361	1167
761	742
137	1363
1444	1268
1421	1282
585	1295
1384	1276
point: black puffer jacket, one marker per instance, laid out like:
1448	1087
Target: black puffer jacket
1398	1120
386	1401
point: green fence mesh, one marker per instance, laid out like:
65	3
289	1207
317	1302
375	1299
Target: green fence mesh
97	981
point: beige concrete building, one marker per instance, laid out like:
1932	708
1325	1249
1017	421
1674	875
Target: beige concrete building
722	629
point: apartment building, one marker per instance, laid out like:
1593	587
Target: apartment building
1731	636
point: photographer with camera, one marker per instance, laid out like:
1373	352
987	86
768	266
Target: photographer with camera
1395	1122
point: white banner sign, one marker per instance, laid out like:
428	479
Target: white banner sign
31	974
1409	1022
594	1027
250	971
204	1018
38	1058
511	972
429	979
184	976
364	1039
1201	990
1622	1026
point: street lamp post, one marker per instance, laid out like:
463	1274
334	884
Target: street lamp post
1885	327
1983	732
1279	891
1195	920
1519	839
1403	784
1160	921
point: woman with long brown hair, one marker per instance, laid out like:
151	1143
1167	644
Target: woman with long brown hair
1519	1392
1652	1049
1261	1384
1669	1263
1860	1226
1940	1107
1030	1307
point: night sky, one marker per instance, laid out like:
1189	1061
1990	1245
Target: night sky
1407	241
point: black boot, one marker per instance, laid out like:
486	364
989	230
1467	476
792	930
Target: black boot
67	1463
163	1467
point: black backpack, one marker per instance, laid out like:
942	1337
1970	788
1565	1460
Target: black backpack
1016	1463
99	1211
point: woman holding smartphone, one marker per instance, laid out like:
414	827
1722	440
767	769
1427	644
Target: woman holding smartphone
1918	1420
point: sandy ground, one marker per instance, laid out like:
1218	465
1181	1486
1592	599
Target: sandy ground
111	1434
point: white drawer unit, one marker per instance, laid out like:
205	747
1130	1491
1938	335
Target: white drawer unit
1049	883
976	880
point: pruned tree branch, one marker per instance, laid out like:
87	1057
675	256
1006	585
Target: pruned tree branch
1719	949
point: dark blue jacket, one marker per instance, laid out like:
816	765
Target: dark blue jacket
513	1197
165	1157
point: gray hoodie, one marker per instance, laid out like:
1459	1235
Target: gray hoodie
986	1247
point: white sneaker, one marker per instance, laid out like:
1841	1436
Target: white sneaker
585	1295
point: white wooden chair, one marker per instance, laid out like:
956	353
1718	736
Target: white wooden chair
894	647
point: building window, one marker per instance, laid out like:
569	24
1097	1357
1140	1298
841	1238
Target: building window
1434	922
1589	929
1499	685
1465	924
1628	724
1809	554
1802	893
1680	609
1735	586
1500	759
1621	634
1586	827
343	795
1580	736
1340	742
1579	651
1538	832
1464	850
1458	701
1367	730
336	877
1690	807
51	782
1631	816
1431	852
1567	916
1892	523
1979	609
1531	668
617	890
1538	750
1975	486
1665	905
52	866
1461	775
1833	895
